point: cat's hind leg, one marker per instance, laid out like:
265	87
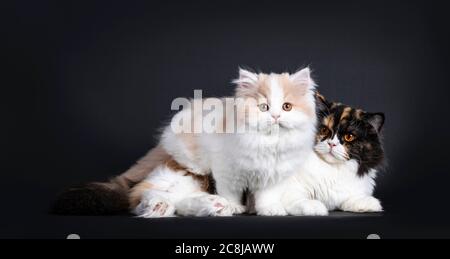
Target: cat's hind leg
154	204
157	195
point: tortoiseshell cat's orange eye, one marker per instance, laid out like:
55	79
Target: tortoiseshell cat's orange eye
349	137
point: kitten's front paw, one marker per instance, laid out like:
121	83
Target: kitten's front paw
205	205
219	206
363	204
154	208
308	208
237	208
271	210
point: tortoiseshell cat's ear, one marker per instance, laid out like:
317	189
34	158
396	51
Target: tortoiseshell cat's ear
375	119
321	102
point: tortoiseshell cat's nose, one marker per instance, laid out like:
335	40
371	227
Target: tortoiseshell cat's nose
331	144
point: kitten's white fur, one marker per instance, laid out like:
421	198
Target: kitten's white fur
259	160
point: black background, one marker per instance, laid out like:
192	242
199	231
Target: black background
86	85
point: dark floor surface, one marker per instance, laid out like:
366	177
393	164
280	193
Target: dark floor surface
39	224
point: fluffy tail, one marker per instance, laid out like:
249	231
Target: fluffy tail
106	198
93	199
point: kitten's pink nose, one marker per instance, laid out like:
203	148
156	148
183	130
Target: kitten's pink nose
331	144
275	117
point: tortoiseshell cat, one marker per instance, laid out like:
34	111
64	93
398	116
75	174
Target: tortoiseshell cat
341	173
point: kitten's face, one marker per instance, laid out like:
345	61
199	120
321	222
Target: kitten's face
281	101
346	133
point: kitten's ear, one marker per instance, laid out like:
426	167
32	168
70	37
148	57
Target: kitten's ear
303	78
246	80
322	103
376	120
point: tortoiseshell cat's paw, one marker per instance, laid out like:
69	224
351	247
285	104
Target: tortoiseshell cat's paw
276	209
308	208
362	204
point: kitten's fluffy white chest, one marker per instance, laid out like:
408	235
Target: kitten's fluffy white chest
261	161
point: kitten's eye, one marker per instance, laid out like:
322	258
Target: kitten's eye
324	131
263	107
287	106
349	137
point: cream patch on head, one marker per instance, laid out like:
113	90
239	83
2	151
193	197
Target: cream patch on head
345	113
329	121
358	114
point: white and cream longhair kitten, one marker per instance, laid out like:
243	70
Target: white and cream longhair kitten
278	135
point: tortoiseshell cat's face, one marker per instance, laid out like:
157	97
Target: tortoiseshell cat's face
346	133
